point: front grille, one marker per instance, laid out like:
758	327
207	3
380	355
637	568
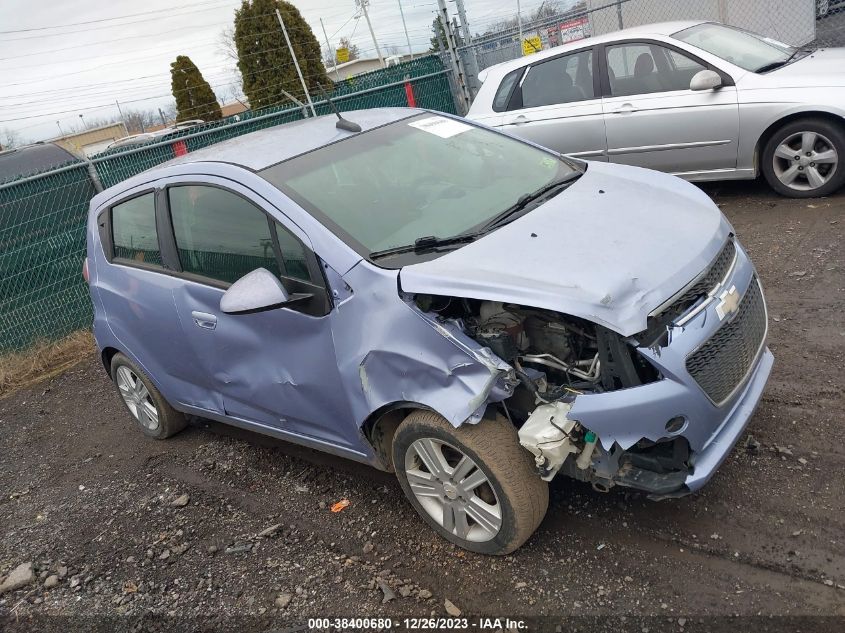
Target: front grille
724	360
714	274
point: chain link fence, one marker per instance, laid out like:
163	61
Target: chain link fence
818	23
43	216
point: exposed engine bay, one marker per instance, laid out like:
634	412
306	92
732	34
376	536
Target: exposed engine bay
556	358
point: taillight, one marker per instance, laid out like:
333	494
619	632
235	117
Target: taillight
85	270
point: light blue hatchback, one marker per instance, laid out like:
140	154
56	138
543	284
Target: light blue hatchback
435	298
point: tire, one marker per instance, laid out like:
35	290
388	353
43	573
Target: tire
512	489
826	142
138	392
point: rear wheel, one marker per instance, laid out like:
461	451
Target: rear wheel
803	159
474	485
153	415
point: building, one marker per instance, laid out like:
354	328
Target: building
91	141
362	65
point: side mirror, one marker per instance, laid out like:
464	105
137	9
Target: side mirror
705	80
258	290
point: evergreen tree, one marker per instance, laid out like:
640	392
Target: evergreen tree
263	56
194	97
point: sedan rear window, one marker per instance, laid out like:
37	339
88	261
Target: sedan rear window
423	176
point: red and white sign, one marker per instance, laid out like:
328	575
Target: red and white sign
569	31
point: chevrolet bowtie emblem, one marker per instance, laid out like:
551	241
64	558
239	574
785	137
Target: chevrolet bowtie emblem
728	303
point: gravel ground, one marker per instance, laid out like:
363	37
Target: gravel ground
219	526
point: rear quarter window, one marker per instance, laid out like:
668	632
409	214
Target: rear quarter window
503	94
134	233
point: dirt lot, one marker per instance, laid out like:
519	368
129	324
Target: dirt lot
86	498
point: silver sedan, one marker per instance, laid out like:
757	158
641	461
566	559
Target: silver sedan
699	100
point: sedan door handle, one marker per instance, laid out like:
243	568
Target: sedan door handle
627	108
204	320
520	120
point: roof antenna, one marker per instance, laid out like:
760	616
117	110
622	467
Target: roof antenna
342	124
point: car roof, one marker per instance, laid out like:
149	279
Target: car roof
661	29
261	149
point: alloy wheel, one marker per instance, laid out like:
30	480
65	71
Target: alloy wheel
137	397
805	161
453	490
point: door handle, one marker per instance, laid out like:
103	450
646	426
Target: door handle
520	120
626	108
204	320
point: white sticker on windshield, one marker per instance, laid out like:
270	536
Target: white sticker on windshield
441	126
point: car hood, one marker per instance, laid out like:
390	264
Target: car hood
611	248
823	68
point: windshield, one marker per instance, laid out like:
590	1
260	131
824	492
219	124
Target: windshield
747	50
426	175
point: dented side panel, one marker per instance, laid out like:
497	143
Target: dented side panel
388	352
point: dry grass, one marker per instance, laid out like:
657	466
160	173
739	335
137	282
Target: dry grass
43	360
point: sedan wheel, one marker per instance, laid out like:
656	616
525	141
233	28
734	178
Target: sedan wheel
805	161
137	398
803	158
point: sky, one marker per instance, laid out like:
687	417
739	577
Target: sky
63	58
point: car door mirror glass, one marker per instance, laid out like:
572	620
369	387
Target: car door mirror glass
258	290
705	80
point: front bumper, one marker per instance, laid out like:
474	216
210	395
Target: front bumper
626	419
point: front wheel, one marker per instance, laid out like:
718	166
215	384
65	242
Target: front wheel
474	485
803	158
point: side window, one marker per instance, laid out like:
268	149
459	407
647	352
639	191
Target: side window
500	101
293	254
134	230
219	234
561	80
635	69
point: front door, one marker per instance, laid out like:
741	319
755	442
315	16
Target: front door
654	120
277	367
556	105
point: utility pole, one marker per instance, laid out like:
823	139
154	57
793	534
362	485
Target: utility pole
519	23
82	120
464	96
472	60
364	4
296	63
405	26
331	52
619	13
161	115
61	131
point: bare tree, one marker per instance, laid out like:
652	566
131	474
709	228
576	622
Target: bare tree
10	138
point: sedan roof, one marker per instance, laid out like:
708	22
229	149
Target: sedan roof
661	29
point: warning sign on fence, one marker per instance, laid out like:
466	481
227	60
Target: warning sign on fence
342	55
532	44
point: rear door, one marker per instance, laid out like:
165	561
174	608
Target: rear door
556	103
654	120
277	367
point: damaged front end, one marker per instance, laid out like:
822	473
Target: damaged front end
557	359
633	411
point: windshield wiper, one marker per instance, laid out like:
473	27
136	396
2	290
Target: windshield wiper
774	65
426	243
511	213
430	242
